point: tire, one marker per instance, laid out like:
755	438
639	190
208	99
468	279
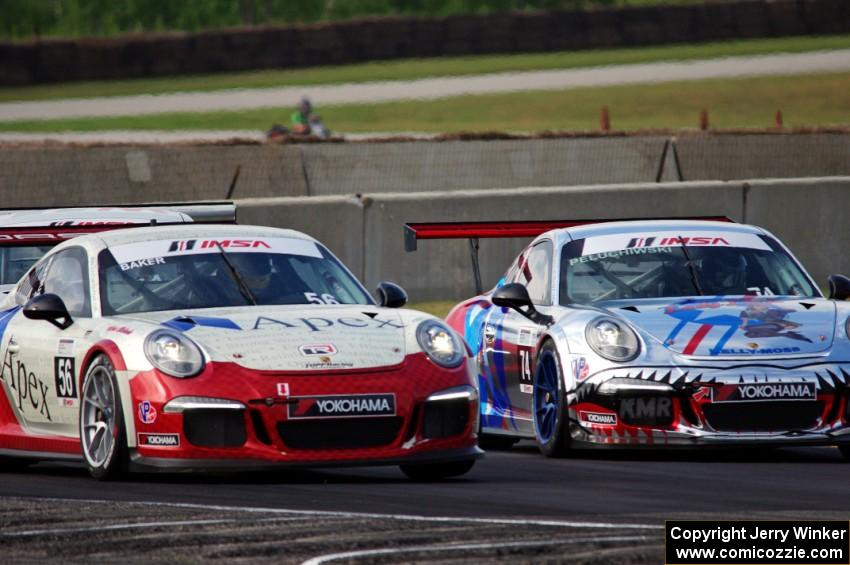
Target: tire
103	436
551	429
437	471
496	443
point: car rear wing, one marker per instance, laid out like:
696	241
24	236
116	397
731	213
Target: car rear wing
71	222
473	231
223	212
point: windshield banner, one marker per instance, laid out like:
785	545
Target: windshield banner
637	241
152	252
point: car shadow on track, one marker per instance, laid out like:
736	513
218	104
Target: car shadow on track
699	455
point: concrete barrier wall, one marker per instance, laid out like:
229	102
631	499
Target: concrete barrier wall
335	220
723	157
67	176
457	165
367	233
76	175
390	38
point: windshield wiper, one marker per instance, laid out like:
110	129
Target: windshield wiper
243	286
691	270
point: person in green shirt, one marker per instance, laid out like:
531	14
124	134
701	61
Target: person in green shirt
302	117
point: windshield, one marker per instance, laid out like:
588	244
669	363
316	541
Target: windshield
174	275
16	260
653	266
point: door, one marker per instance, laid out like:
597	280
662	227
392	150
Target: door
41	362
512	337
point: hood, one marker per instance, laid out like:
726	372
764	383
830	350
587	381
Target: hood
292	338
734	326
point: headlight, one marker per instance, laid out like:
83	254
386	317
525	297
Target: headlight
174	354
440	343
612	339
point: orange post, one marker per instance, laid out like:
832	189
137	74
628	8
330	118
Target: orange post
604	119
703	119
777	119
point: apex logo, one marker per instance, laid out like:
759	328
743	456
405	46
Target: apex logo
182	245
667	241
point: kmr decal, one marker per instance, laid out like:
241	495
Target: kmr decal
147	413
158	440
353	406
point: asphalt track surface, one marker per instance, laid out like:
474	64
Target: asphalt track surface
433	88
517	506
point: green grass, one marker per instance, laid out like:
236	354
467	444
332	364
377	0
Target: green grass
421	68
439	308
805	100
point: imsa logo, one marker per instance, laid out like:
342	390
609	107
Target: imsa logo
348	406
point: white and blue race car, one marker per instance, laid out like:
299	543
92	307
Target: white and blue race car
656	333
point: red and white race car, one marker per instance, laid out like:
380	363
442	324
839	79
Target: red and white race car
27	234
225	347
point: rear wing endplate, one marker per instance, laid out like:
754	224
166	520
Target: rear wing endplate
473	231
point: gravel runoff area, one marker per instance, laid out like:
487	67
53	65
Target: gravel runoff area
76	531
107	532
433	88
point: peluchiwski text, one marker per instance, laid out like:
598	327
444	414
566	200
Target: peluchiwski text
760	542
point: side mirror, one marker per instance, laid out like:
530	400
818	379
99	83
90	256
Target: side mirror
839	287
390	295
515	296
48	307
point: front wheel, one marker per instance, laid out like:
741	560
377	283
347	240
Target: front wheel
548	399
102	433
437	471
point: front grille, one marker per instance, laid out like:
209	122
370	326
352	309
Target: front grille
214	428
762	416
340	433
445	419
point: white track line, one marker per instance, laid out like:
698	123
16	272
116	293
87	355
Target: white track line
450	547
339	514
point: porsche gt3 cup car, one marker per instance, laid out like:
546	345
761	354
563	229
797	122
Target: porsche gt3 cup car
659	333
209	347
27	234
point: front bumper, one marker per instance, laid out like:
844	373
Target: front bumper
412	412
750	405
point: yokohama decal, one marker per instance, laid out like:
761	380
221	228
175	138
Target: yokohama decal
343	406
158	440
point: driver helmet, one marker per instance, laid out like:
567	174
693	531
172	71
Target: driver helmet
723	271
255	268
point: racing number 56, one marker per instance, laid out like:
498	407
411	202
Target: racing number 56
65	385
